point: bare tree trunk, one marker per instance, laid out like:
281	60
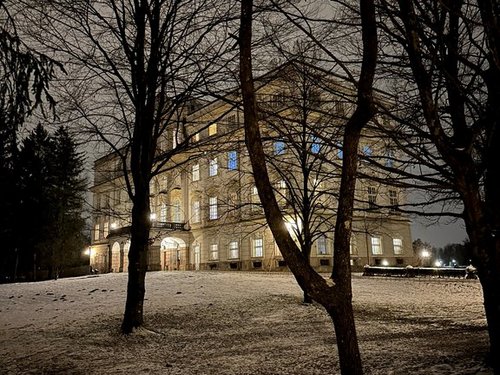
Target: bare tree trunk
139	244
337	298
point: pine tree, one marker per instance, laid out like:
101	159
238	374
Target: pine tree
68	188
51	202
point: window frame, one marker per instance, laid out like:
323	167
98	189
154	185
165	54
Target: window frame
195	172
213	213
213	167
378	246
398	246
234	252
255	246
232	160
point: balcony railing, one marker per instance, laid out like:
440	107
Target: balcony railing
156	225
170	225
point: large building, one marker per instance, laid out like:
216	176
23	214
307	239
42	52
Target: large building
205	210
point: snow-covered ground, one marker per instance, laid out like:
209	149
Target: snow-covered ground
238	323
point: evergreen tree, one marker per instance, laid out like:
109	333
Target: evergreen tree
67	202
51	202
35	208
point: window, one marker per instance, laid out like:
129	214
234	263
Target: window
177	213
340	151
233	250
279	148
282	191
352	245
393	197
163	183
376	245
254	198
321	243
397	244
175	139
212	171
258	247
372	197
212	208
214	251
231	120
105	230
96	232
212	129
196	212
367	150
315	145
232	160
163	213
340	108
389	158
196	172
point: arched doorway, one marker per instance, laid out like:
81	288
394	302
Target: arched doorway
115	257
124	262
173	254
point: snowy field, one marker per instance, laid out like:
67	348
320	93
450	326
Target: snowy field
238	323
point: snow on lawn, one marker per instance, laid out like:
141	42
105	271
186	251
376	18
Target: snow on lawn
238	323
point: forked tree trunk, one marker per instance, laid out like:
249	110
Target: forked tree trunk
336	299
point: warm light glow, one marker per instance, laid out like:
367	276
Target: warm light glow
426	254
88	251
438	263
152	217
385	263
114	225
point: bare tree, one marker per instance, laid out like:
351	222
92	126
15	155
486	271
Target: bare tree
446	63
135	67
335	295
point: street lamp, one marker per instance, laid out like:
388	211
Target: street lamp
425	256
88	251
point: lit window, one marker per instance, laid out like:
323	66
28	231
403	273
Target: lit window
352	245
232	160
315	145
105	230
233	250
282	191
163	213
196	212
212	129
376	245
212	171
397	243
177	214
340	151
175	140
279	148
258	247
212	208
367	150
321	243
96	232
196	172
254	198
214	251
